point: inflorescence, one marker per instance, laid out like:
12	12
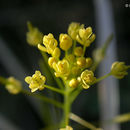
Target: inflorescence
68	61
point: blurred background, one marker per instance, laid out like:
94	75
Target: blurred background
19	59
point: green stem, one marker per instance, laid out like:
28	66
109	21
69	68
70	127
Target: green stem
43	98
103	77
84	49
82	122
67	105
54	89
3	80
66	53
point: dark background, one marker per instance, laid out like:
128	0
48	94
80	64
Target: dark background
55	16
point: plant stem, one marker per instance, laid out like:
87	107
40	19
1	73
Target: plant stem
67	105
54	89
84	49
43	98
3	80
103	77
81	121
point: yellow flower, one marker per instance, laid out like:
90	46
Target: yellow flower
85	36
34	36
67	128
65	42
36	82
13	86
61	68
73	83
87	78
49	42
119	69
78	51
73	29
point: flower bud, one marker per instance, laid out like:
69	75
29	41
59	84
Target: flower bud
49	40
65	42
14	86
73	83
34	36
88	62
81	62
78	51
119	69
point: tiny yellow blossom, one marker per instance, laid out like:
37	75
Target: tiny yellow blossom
52	60
73	29
36	82
119	69
73	83
85	33
34	36
88	62
13	86
67	128
49	42
65	42
85	36
61	68
87	78
78	51
81	62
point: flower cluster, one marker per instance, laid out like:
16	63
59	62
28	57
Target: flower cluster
72	65
68	61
